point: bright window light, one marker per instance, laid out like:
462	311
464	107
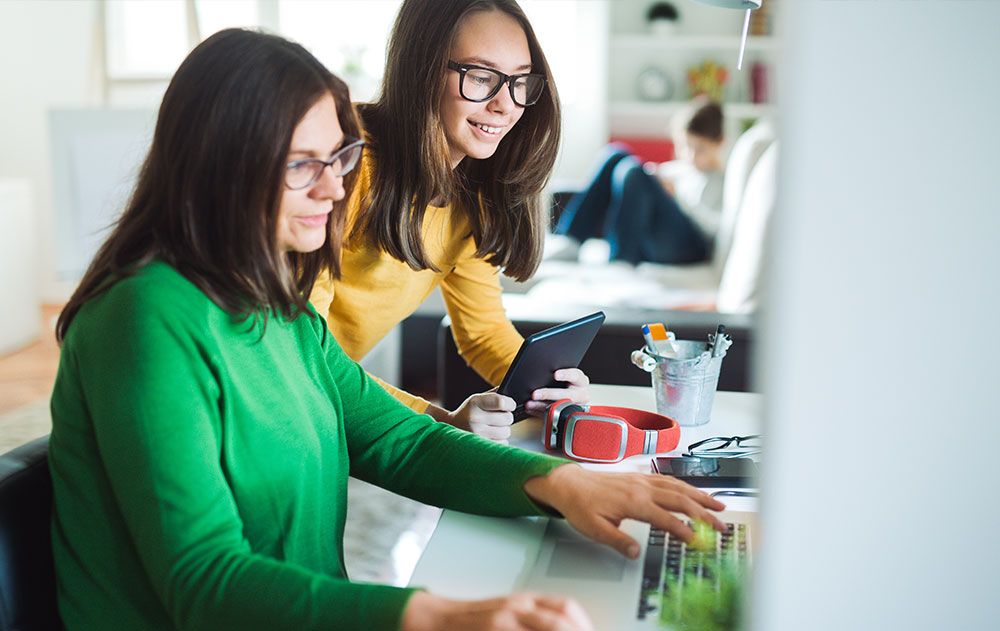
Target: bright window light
215	15
555	24
349	37
145	39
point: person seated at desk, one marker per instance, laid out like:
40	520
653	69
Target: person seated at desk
669	214
205	421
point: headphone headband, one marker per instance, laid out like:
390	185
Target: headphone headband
606	433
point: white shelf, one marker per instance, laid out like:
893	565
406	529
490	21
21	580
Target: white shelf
693	42
666	108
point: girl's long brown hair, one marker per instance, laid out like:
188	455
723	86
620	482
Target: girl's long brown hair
500	194
208	193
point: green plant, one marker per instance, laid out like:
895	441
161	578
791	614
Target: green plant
662	11
711	602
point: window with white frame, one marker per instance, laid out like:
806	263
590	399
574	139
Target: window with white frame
146	40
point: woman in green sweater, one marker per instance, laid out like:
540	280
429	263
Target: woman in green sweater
205	421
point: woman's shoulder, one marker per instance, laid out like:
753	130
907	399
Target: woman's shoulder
155	292
159	283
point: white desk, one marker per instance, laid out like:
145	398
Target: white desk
501	558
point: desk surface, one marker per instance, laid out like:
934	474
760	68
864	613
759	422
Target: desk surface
733	413
498	540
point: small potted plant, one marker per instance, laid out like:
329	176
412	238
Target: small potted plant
708	78
712	601
662	18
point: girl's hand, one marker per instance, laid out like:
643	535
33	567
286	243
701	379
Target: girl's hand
487	414
517	612
596	502
576	389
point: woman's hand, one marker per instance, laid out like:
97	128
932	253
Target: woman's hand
576	389
488	414
517	612
596	502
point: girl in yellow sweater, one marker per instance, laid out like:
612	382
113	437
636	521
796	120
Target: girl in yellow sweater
460	143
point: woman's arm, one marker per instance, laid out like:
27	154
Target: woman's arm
484	335
410	454
150	387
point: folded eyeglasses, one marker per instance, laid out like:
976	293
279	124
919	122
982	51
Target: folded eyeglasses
719	447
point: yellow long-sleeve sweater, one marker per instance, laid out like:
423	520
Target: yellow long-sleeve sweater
376	292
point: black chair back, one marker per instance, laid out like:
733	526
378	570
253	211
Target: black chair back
27	574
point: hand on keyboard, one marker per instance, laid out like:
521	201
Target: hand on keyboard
596	502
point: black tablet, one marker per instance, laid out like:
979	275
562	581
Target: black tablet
543	353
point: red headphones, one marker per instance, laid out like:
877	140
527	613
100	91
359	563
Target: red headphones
604	433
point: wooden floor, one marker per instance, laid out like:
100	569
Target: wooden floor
26	375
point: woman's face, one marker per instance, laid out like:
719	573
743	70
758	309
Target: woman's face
495	40
304	213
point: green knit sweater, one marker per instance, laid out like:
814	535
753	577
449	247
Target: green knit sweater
200	470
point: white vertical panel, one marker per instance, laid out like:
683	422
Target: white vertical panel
47	60
579	59
19	316
881	349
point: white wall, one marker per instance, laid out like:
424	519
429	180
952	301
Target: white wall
881	502
46	61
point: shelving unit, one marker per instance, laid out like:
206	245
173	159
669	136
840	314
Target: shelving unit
704	32
659	108
692	42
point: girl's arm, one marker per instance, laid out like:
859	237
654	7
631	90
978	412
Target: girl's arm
488	341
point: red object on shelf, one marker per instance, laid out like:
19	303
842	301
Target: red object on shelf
647	149
758	83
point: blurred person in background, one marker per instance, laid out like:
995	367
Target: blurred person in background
667	213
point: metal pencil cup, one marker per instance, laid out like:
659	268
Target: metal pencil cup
685	385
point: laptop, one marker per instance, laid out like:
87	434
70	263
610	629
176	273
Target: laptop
472	557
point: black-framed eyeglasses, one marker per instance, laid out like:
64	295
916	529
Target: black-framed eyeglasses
478	84
303	173
719	447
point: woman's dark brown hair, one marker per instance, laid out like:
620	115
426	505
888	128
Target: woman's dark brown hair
209	191
500	194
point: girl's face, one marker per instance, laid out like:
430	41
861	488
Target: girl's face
495	40
304	213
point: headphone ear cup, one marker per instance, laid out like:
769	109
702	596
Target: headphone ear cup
555	418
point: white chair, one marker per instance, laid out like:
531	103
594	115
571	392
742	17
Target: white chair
739	286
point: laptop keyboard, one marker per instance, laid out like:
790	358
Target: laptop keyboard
669	561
